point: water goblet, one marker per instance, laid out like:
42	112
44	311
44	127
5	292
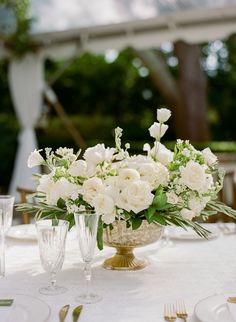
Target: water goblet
6	213
86	226
52	239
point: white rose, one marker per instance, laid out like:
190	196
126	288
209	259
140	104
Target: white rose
98	154
209	157
35	159
157	130
78	169
126	176
188	214
135	197
103	204
154	173
193	176
196	205
160	153
92	188
163	115
172	198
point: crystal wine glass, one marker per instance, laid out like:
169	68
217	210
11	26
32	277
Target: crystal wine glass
86	226
52	239
6	213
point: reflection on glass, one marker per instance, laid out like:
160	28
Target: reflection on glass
86	226
52	239
6	212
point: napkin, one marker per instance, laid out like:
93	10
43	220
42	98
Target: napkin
5	309
232	310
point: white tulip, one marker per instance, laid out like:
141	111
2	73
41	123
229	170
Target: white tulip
163	115
157	130
35	159
160	153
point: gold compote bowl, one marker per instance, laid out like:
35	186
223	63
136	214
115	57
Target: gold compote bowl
125	240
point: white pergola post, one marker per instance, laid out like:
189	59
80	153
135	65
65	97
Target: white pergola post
26	85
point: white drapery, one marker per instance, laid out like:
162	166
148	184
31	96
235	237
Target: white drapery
26	85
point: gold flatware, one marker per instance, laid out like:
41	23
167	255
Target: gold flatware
76	313
169	313
231	299
63	312
181	311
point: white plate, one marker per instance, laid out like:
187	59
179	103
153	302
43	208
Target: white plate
214	309
26	308
24	232
189	234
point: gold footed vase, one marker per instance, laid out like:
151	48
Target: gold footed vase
125	240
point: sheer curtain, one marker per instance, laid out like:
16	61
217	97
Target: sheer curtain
26	85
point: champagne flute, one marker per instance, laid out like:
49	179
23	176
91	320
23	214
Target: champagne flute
52	239
6	213
86	226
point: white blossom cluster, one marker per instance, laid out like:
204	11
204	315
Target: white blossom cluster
114	182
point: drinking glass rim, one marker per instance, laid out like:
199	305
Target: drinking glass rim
43	222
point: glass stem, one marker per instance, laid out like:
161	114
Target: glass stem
53	280
88	275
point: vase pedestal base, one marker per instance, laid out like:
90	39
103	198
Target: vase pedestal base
124	259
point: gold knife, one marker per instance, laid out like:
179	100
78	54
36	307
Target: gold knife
63	312
76	313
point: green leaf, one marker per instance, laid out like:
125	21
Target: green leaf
149	213
136	223
100	234
61	203
158	218
160	202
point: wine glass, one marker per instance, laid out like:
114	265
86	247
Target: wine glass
52	239
86	226
6	213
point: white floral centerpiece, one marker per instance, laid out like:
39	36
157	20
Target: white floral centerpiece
169	188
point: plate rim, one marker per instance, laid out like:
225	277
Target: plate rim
31	238
210	296
30	296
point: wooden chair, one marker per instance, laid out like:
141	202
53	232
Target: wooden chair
24	193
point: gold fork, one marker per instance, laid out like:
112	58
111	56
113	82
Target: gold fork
181	310
169	313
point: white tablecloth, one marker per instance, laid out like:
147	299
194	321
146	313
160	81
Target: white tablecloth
191	270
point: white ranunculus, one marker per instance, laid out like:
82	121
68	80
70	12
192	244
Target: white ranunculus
154	173
98	154
160	153
163	115
135	197
78	168
196	205
172	198
35	159
45	183
209	157
126	176
60	189
92	188
187	214
103	204
194	176
157	130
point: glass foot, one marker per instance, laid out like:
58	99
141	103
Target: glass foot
52	290
88	298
